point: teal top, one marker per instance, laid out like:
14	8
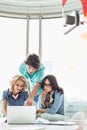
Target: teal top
37	76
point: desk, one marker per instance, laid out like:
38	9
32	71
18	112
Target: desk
5	126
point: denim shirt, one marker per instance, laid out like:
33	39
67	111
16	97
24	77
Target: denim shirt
6	95
58	105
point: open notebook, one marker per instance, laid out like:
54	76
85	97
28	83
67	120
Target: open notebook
21	114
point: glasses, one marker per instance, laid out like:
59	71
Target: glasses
47	85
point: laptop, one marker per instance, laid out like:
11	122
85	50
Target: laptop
21	114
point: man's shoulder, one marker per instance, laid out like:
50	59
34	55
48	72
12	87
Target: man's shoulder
42	67
22	65
23	69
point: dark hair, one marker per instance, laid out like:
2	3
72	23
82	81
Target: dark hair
33	60
53	82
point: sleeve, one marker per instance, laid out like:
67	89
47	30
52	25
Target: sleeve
39	106
23	70
4	95
59	99
40	74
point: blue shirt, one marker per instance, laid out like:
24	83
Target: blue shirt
37	76
6	95
57	106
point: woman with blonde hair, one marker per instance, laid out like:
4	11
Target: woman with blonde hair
16	94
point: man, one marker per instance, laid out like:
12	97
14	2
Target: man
34	71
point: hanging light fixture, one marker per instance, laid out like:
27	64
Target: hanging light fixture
72	20
84	6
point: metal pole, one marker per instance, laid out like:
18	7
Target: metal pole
40	38
27	36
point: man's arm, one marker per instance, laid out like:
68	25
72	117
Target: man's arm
32	94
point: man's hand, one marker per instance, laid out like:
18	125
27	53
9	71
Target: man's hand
28	102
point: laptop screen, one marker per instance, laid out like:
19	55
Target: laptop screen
21	114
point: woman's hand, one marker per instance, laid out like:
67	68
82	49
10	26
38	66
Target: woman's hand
43	94
40	110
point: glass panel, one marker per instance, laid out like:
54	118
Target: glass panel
65	57
34	36
12	48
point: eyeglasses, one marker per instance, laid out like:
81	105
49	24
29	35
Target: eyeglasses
47	85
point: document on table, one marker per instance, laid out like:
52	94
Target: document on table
45	121
29	127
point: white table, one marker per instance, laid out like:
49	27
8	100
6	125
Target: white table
5	126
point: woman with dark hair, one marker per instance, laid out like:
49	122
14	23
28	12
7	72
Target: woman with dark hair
51	100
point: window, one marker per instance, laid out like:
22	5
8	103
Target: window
12	48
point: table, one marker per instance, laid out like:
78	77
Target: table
5	126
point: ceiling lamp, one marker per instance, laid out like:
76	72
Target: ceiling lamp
72	20
84	6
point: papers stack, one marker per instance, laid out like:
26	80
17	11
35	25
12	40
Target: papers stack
45	121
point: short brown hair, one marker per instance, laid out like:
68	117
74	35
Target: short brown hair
33	60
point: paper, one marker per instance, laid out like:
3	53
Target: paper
30	127
44	121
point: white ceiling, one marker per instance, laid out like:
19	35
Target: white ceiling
37	8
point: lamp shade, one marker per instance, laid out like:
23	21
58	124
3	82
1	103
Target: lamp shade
84	6
70	20
63	2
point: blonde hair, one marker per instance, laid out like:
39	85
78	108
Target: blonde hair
15	79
